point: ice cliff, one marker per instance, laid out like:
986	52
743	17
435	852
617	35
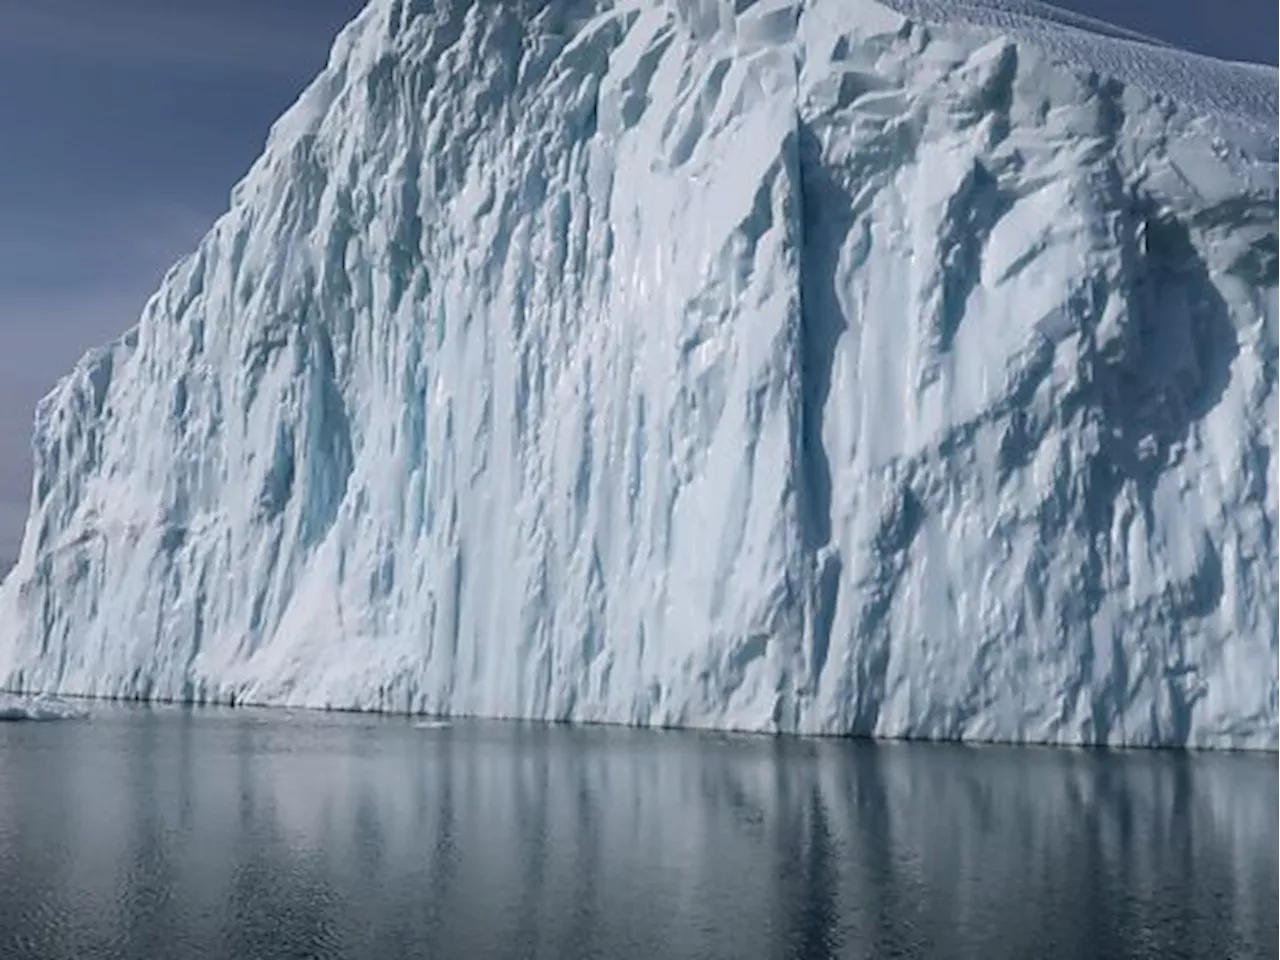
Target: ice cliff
828	366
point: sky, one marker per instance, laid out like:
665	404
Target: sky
125	123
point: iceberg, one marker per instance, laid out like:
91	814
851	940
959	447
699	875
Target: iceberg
894	369
37	709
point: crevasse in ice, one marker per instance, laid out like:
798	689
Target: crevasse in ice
824	366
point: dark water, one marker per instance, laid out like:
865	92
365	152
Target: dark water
173	834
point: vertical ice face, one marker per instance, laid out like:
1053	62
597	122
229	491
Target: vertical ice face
770	365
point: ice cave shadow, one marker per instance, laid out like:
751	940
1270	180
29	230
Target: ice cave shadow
1147	393
1174	369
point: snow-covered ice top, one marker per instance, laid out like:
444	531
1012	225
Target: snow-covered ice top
832	366
1241	91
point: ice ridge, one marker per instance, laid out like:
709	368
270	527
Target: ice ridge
823	367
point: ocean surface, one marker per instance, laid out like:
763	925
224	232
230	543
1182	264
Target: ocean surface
173	833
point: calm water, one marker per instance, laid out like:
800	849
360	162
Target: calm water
170	833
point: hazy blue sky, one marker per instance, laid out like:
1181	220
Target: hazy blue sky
126	122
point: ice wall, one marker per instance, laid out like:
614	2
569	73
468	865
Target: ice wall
767	365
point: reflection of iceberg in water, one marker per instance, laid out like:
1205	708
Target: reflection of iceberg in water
574	841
